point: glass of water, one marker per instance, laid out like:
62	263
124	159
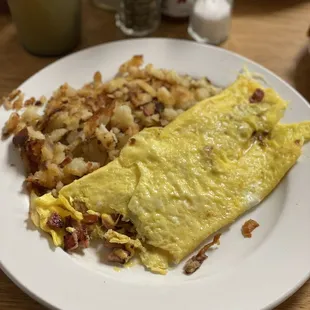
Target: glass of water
138	17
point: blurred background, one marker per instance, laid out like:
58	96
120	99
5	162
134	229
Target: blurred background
273	33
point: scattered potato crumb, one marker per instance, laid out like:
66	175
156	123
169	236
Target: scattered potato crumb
11	124
248	228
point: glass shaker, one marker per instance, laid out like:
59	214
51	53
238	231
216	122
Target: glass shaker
210	21
47	27
138	17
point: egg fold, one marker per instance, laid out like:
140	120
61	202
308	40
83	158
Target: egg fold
180	184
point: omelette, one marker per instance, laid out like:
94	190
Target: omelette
173	187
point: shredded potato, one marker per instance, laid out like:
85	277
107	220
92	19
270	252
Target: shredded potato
83	129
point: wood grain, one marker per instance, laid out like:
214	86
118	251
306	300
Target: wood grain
272	33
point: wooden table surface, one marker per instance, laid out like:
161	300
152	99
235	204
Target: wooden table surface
272	33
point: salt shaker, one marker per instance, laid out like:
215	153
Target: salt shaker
138	17
210	21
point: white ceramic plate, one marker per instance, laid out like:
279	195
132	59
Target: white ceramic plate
243	273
